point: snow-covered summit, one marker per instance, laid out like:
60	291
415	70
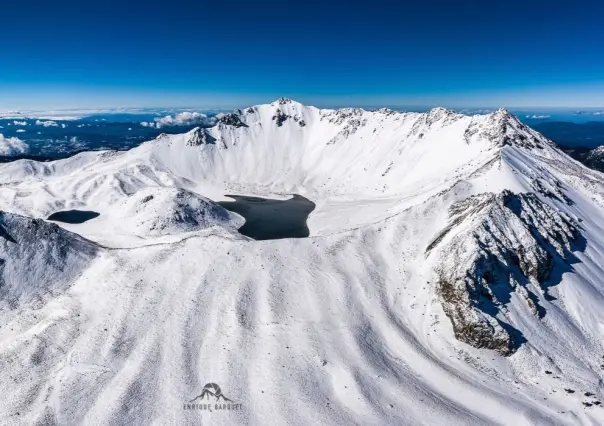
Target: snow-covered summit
156	211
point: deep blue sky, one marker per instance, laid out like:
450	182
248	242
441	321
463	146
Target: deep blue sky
68	54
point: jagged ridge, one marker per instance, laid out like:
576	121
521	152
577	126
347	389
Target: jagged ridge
504	243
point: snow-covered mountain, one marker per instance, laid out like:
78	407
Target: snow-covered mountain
595	159
592	158
452	274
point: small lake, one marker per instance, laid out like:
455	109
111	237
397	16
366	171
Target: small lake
73	216
267	219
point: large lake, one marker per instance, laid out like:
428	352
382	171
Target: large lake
268	219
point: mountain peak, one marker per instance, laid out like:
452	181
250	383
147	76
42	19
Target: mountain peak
283	101
503	115
441	111
199	136
232	119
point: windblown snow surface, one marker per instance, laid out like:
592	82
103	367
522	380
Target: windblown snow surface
453	275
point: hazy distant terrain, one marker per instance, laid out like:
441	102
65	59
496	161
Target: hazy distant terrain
573	135
60	135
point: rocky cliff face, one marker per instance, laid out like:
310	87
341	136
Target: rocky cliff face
495	245
233	119
200	137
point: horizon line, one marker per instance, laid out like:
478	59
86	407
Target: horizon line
123	109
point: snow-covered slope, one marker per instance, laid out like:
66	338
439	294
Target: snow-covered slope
154	212
453	274
38	259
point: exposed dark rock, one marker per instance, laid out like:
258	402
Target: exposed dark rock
556	192
507	241
351	127
232	120
201	137
284	101
280	117
435	117
387	111
339	116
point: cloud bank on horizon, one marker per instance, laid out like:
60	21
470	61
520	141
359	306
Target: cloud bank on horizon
12	146
180	119
538	116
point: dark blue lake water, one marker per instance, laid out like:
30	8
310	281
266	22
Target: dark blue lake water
73	216
268	219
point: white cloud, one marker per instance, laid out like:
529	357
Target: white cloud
12	146
597	113
46	123
63	125
20	123
180	119
538	117
74	139
20	131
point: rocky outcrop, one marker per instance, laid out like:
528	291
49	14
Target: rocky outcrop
280	117
231	120
351	128
495	245
284	101
200	137
339	116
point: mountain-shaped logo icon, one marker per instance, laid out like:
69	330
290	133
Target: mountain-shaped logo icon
211	390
